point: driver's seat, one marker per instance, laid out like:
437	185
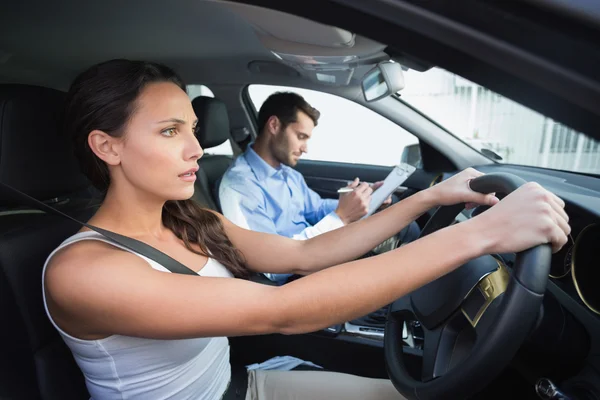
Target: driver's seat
36	159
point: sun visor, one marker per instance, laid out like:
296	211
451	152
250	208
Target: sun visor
290	28
330	67
322	53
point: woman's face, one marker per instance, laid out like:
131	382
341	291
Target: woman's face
159	151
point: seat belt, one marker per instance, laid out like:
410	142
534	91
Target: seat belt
132	244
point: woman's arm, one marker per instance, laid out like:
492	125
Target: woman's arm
94	290
278	254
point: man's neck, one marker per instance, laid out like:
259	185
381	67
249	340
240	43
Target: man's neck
261	147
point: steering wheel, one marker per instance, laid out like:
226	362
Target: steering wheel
474	319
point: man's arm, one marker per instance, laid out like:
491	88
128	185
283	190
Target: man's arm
244	206
320	213
279	254
315	207
350	208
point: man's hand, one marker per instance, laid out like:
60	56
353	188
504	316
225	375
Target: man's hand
355	205
387	201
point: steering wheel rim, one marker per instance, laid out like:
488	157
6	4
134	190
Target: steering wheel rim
460	356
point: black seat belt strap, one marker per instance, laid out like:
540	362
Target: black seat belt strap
132	244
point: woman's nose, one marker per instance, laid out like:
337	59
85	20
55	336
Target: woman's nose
193	148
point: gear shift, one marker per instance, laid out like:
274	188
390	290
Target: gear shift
547	390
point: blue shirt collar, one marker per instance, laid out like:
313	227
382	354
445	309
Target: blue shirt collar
262	170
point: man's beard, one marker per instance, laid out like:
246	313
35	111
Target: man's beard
286	159
282	154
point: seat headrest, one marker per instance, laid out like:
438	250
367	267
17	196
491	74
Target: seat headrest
213	121
34	157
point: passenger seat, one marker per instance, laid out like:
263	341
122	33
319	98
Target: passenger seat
213	130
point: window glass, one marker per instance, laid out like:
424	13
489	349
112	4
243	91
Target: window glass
347	131
489	121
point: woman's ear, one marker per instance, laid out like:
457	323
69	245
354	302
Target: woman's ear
105	147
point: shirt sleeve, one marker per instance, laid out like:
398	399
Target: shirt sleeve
244	205
328	223
247	211
318	211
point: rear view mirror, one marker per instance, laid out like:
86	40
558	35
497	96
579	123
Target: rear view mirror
383	80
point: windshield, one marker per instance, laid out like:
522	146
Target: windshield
496	126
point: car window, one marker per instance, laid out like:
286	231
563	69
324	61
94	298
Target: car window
347	131
202	90
490	122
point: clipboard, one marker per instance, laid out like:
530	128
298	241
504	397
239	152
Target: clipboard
397	177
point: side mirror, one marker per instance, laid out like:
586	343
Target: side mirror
411	155
491	154
382	81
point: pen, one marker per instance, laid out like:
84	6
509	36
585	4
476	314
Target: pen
345	190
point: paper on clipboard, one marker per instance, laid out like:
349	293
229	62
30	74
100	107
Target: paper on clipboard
396	178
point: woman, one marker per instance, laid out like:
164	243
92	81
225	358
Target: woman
137	331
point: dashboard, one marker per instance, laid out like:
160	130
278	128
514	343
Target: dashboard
565	344
575	268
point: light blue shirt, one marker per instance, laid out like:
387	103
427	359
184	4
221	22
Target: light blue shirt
256	196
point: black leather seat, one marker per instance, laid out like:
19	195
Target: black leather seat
213	130
34	158
35	363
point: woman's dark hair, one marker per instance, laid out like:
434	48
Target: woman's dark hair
104	98
285	106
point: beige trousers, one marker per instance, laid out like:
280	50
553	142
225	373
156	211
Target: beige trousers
317	385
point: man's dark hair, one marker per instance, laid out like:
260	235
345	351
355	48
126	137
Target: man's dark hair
285	106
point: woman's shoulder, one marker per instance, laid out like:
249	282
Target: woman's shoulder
78	257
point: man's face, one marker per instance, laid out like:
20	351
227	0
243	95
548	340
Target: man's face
290	143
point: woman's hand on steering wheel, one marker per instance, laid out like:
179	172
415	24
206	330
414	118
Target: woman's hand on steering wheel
456	190
461	354
529	216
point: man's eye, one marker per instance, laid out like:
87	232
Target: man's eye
169	132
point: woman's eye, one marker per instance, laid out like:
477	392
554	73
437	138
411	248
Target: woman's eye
169	132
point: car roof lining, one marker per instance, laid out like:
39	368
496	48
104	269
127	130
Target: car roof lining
208	43
478	40
205	41
37	43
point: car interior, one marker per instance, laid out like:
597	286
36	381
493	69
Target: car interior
442	345
213	131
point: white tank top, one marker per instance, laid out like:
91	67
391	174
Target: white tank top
124	367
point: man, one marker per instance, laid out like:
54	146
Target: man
261	191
